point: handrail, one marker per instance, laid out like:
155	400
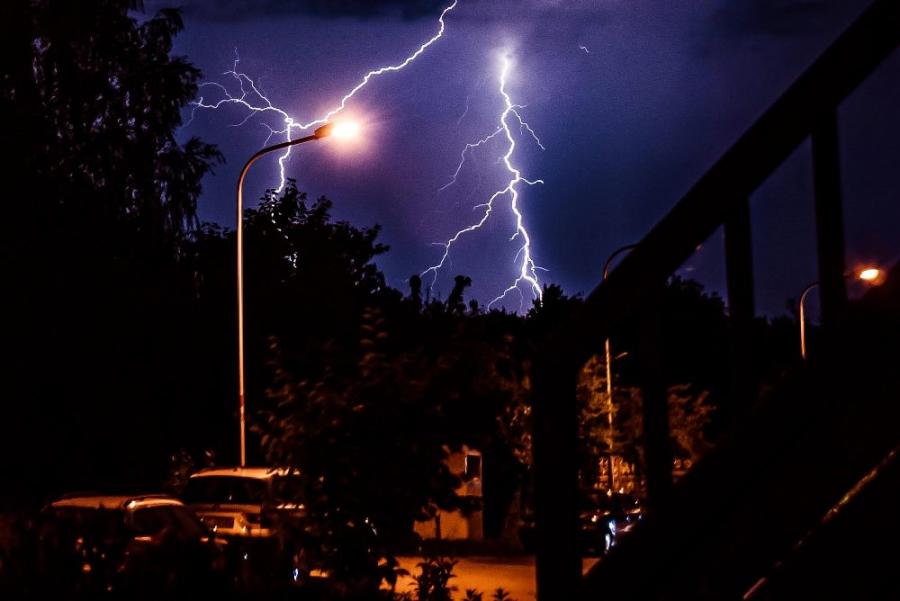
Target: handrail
768	142
720	197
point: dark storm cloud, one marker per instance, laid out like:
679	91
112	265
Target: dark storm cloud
733	21
771	17
487	10
240	10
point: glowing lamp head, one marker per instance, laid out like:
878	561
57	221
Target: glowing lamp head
344	130
870	274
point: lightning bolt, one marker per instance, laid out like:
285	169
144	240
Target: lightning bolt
527	269
248	95
255	101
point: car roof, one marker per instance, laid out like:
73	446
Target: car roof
256	473
115	501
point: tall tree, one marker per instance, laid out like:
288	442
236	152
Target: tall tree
90	102
369	450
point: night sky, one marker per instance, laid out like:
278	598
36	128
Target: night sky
629	124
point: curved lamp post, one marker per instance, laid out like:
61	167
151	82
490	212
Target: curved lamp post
609	384
869	275
340	129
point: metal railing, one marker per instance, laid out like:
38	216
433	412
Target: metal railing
808	109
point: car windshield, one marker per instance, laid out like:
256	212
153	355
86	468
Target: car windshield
88	522
287	489
626	503
220	490
594	501
151	521
615	503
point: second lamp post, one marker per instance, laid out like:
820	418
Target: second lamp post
609	380
869	275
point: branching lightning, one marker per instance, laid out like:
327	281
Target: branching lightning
247	94
255	101
527	269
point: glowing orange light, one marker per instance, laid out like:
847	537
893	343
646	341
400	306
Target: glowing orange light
345	130
870	274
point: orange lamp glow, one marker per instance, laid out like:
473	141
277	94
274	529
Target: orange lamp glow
346	130
869	274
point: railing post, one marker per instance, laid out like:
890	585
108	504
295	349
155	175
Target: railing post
829	221
555	445
741	312
657	445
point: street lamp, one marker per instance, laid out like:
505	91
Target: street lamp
872	275
868	275
609	384
340	129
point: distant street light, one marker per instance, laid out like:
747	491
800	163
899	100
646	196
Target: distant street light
869	275
342	129
609	382
872	274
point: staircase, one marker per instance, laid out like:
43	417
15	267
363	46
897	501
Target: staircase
752	519
787	502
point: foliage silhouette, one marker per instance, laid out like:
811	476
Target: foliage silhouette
95	250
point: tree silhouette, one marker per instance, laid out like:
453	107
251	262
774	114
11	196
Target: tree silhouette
92	99
101	295
689	417
369	452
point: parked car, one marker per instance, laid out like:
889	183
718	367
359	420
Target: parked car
134	545
242	502
602	518
631	511
255	509
623	509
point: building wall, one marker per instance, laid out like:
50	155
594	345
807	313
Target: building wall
453	525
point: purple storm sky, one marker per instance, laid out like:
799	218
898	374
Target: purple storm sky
628	125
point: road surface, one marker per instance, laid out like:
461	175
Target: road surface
515	574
